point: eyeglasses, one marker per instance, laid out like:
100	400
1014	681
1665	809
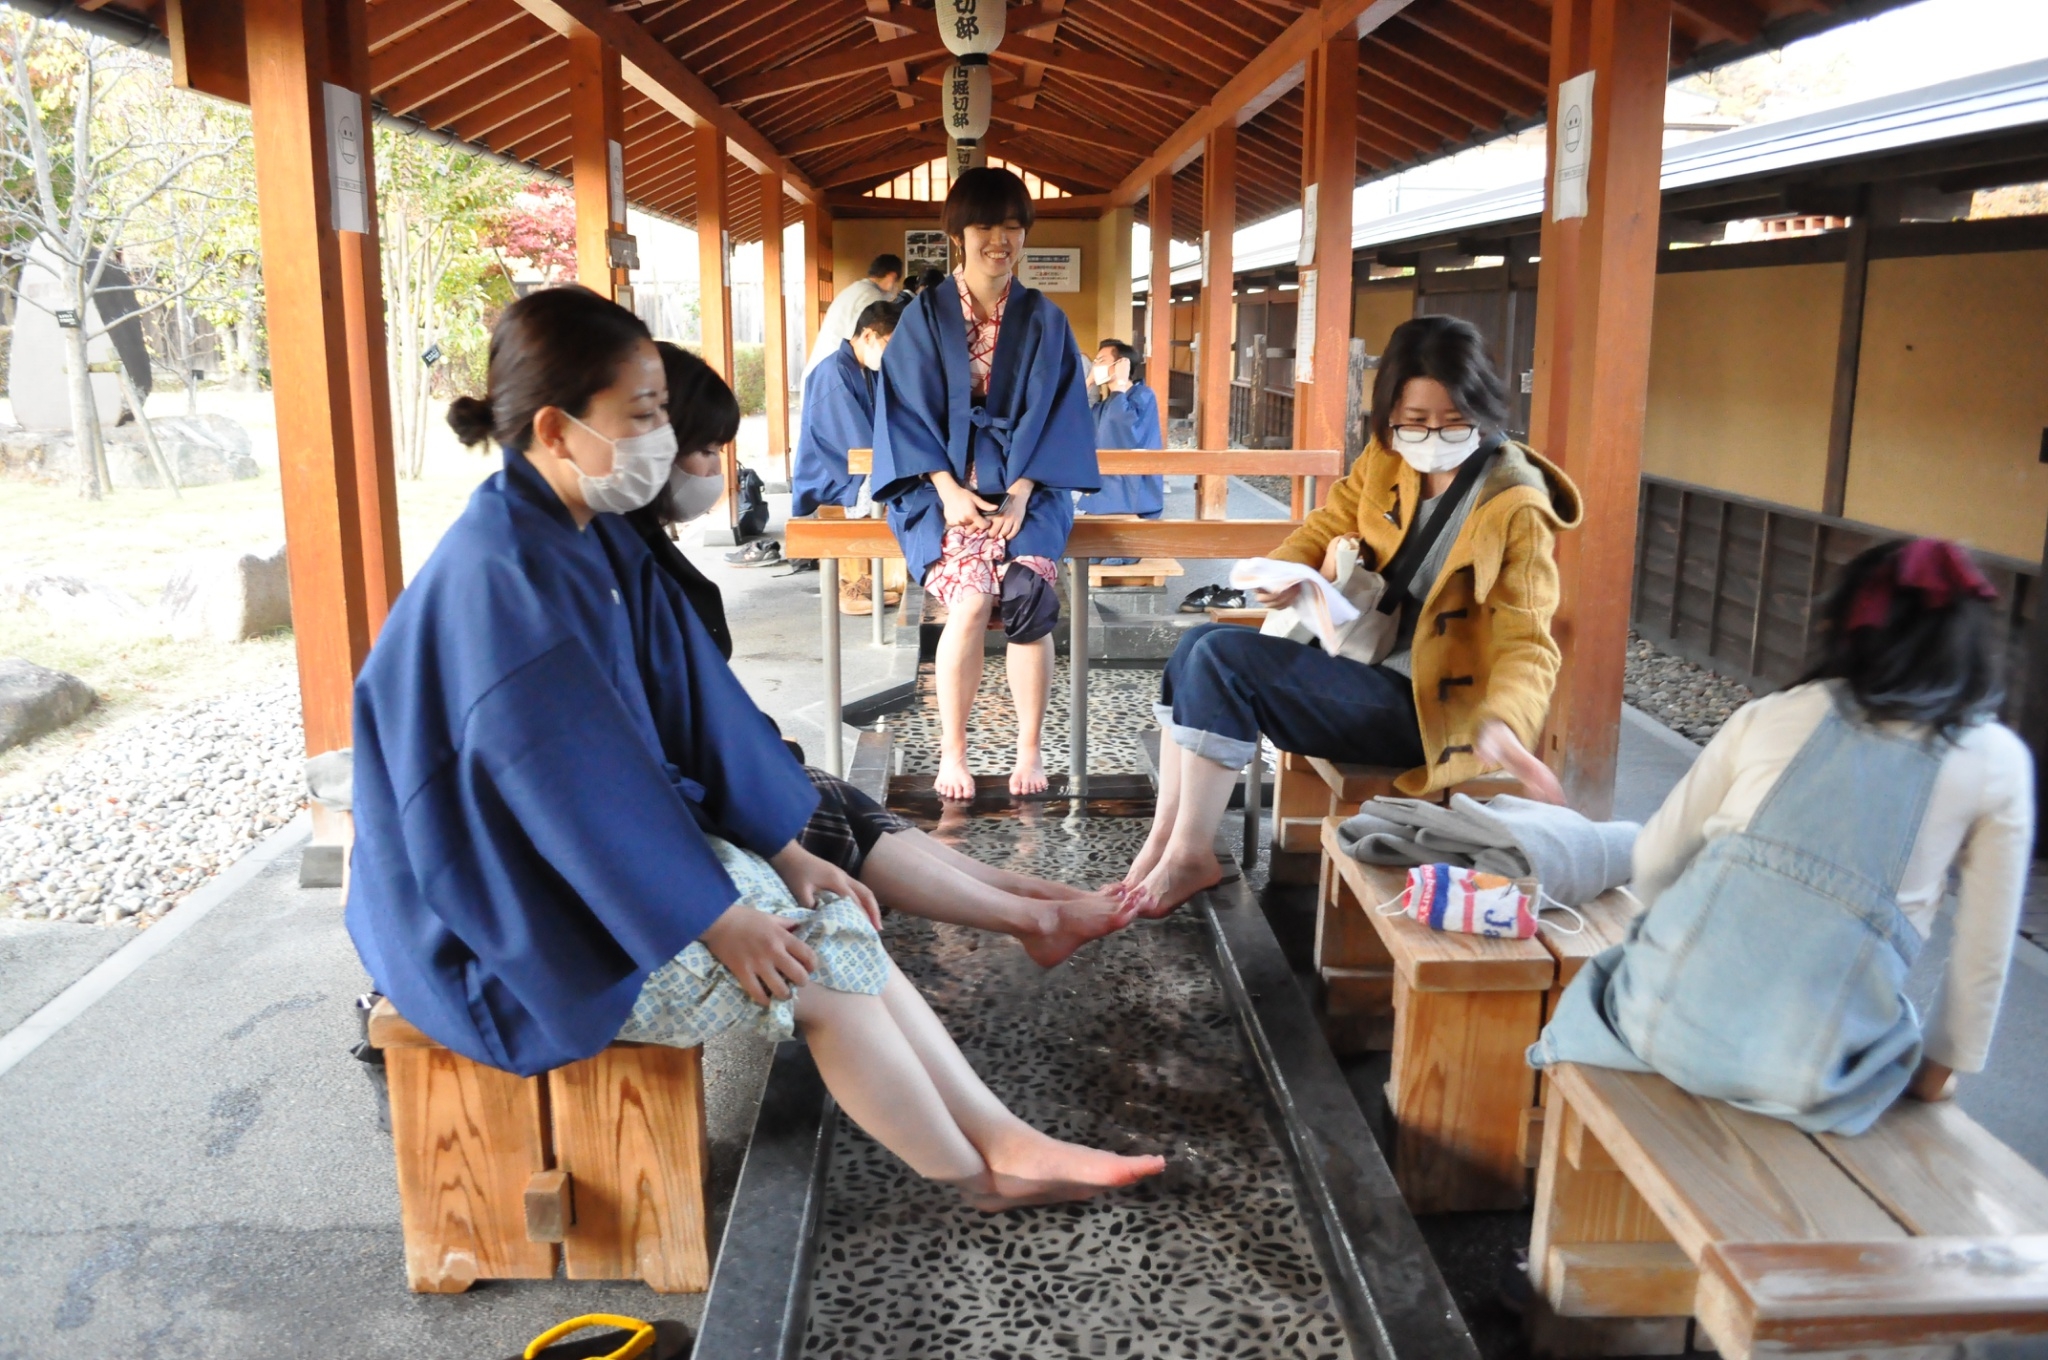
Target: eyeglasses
1452	434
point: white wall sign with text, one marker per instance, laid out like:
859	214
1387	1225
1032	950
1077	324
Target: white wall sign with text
1305	329
345	156
616	156
1051	269
1574	150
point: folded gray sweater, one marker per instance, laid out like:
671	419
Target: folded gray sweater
1573	858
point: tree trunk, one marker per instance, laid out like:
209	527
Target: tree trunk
85	416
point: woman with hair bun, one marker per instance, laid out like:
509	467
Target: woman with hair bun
1793	875
574	826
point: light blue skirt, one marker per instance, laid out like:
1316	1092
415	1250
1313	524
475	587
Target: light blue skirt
693	996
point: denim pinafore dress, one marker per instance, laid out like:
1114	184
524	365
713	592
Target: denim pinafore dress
1771	975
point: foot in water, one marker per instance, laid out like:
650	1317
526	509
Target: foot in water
1074	922
1027	776
1032	1168
955	781
1172	882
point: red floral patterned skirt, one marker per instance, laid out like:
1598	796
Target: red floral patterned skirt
973	561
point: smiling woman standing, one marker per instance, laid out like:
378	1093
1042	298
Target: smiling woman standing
982	432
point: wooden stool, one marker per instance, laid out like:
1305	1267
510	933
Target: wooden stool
599	1164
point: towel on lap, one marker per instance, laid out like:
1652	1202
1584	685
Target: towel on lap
1572	857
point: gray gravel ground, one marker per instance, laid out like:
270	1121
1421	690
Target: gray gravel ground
131	825
1687	698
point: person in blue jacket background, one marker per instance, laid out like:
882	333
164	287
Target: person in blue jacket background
1126	417
982	435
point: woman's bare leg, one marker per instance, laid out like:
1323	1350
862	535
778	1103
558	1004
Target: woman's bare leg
1030	667
1189	862
1027	1167
1164	810
958	671
1009	880
924	884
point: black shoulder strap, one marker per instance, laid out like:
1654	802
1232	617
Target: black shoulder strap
1421	539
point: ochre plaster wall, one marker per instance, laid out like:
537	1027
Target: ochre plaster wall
1375	311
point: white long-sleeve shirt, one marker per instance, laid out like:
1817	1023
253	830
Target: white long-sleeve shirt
1980	819
837	325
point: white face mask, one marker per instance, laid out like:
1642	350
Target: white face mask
1099	375
640	466
1435	453
690	496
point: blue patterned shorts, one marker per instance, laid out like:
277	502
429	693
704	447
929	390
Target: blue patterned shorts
692	996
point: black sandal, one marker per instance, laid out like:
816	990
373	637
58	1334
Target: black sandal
1198	601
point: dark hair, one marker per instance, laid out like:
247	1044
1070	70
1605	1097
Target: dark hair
1124	349
879	317
884	265
1925	664
701	406
554	347
932	279
986	197
1450	351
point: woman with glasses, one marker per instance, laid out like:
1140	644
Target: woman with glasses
1462	522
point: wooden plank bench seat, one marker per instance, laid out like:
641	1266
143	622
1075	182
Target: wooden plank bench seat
1463	1010
1652	1205
598	1166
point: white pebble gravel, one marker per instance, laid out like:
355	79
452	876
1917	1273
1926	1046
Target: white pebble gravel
1686	698
123	831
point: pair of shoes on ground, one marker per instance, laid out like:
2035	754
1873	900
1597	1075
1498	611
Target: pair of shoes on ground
858	597
762	552
1214	597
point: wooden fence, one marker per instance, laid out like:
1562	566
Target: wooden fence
1733	583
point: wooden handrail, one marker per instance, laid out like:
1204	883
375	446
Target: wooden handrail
1227	539
1197	462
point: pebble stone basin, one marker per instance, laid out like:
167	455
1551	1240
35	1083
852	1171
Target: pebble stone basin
1130	1045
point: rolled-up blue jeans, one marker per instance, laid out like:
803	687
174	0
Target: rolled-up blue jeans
1225	684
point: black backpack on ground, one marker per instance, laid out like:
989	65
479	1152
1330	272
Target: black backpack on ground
753	504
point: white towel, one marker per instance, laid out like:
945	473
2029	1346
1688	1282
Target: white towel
1324	609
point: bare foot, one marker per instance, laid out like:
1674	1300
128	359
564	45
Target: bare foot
1032	1168
1028	775
1149	855
1073	923
1174	881
955	780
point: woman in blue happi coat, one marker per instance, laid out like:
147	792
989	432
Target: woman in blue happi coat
982	435
1126	417
573	825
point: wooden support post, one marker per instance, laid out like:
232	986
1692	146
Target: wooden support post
1593	363
775	331
1848	357
714	305
596	127
1218	327
1159	302
817	271
1335	115
327	366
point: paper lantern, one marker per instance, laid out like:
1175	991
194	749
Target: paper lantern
964	156
971	27
965	98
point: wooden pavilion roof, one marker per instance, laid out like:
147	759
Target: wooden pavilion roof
1088	92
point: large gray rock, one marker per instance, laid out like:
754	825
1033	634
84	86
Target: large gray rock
35	701
228	595
70	599
203	450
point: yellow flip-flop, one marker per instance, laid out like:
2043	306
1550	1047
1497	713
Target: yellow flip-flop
639	1341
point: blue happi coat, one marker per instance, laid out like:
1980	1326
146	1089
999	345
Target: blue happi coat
544	733
1128	420
839	414
1034	423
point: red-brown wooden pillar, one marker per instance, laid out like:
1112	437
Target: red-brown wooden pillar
1159	302
774	324
714	296
817	271
597	122
1216	364
1326	280
1598	285
327	368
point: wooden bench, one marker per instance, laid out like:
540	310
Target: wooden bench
1463	1010
1653	1205
598	1166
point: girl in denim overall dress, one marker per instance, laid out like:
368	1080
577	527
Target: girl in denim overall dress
1792	877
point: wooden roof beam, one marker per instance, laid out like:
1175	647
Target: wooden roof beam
1396	68
1268	76
1725	20
895	120
653	70
437	41
1015	115
853	61
1454	64
1524	18
1472	38
1412	109
902	156
473	111
508	44
1125	75
899	72
391	22
1064	173
1048	33
487	123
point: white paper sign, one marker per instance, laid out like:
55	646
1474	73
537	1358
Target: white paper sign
1574	147
1305	329
346	154
617	156
1051	269
1306	255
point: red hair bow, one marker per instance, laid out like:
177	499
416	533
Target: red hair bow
1940	570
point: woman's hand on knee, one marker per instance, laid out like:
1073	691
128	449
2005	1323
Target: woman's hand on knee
761	951
806	876
1498	745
